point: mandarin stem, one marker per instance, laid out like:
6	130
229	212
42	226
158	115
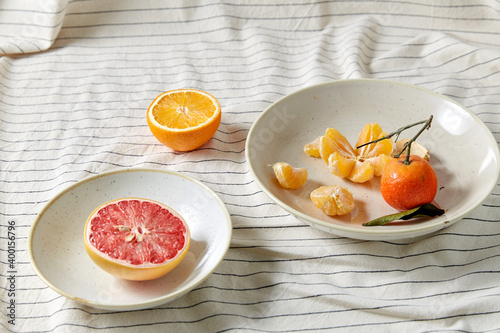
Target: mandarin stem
396	132
408	144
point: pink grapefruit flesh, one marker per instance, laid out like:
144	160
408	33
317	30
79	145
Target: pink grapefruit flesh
136	239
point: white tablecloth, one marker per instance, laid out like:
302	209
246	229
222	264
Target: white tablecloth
76	78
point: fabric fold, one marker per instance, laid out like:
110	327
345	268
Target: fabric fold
30	26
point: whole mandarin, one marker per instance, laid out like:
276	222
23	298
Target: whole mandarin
406	186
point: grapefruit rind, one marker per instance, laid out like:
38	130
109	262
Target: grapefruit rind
125	270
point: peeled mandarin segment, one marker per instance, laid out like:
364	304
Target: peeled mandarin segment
312	148
320	198
358	165
382	147
378	163
333	200
340	166
329	144
343	200
288	176
342	146
371	132
361	172
326	147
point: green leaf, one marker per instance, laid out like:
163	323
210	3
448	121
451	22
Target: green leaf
426	210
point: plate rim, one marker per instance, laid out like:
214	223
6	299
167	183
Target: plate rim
129	306
371	233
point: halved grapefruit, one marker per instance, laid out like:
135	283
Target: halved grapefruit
136	239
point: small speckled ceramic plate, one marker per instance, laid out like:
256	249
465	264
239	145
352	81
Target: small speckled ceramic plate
59	258
464	153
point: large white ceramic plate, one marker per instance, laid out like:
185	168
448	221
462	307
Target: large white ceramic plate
464	153
59	258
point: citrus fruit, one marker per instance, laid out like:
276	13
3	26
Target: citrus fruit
312	148
333	200
184	119
405	186
358	165
136	239
288	176
415	148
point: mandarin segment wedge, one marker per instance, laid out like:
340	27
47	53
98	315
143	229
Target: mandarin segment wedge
340	166
371	132
333	200
312	148
334	141
358	165
361	172
288	176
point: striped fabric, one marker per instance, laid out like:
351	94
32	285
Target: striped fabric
76	78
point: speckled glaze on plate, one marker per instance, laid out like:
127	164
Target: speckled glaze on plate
463	152
59	258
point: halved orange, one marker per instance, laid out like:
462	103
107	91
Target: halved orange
184	119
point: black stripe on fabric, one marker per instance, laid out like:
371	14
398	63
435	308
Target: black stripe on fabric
271	18
289	4
308	50
369	255
360	271
303	314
